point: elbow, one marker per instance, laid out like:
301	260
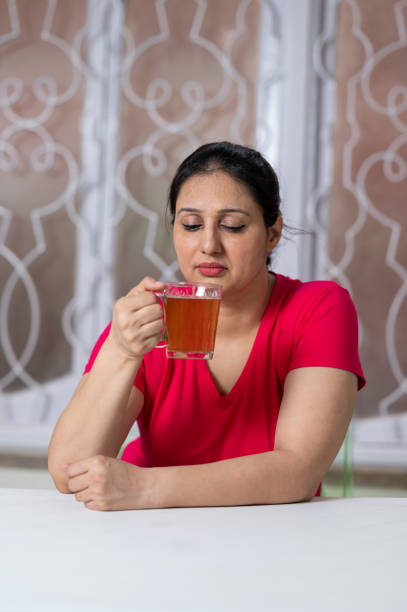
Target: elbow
304	483
59	478
308	495
302	494
308	479
305	488
61	486
310	489
55	470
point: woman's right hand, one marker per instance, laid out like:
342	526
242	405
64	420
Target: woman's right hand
137	321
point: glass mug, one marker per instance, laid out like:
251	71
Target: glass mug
191	312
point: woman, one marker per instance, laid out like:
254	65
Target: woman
263	420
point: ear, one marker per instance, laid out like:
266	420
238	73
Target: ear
274	234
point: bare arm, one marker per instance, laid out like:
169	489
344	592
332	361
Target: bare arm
105	403
314	416
98	418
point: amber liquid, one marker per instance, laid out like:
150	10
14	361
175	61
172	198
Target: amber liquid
191	324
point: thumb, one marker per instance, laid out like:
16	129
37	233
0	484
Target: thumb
147	284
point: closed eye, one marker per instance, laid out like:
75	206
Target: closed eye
233	228
191	228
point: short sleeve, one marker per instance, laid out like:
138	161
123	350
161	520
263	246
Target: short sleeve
96	348
326	331
139	380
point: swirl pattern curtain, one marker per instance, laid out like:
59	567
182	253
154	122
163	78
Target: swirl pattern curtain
100	100
368	213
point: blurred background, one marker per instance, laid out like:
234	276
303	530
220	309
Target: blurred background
99	102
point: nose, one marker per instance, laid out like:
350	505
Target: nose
210	241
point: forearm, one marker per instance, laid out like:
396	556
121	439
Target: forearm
94	422
265	478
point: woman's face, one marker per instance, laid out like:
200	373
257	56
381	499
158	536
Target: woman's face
219	233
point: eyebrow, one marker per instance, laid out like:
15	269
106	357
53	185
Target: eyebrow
223	210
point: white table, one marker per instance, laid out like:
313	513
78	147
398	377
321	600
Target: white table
325	555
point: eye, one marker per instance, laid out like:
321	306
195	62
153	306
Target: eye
192	227
233	228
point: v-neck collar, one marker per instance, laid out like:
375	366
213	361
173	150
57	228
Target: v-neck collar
210	385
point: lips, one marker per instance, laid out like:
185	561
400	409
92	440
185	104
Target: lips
211	269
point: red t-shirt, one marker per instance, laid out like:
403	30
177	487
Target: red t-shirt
185	420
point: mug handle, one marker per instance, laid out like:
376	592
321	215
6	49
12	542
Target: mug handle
164	331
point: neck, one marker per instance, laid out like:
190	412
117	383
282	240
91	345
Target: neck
246	306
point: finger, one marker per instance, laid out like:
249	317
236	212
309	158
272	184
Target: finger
77	468
92	505
151	331
147	284
79	483
136	302
139	328
149	314
84	496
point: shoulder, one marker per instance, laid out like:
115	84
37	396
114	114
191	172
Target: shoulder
308	300
299	288
302	294
318	326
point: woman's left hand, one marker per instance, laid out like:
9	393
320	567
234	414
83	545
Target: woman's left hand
104	483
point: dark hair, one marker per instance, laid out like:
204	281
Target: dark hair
244	164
